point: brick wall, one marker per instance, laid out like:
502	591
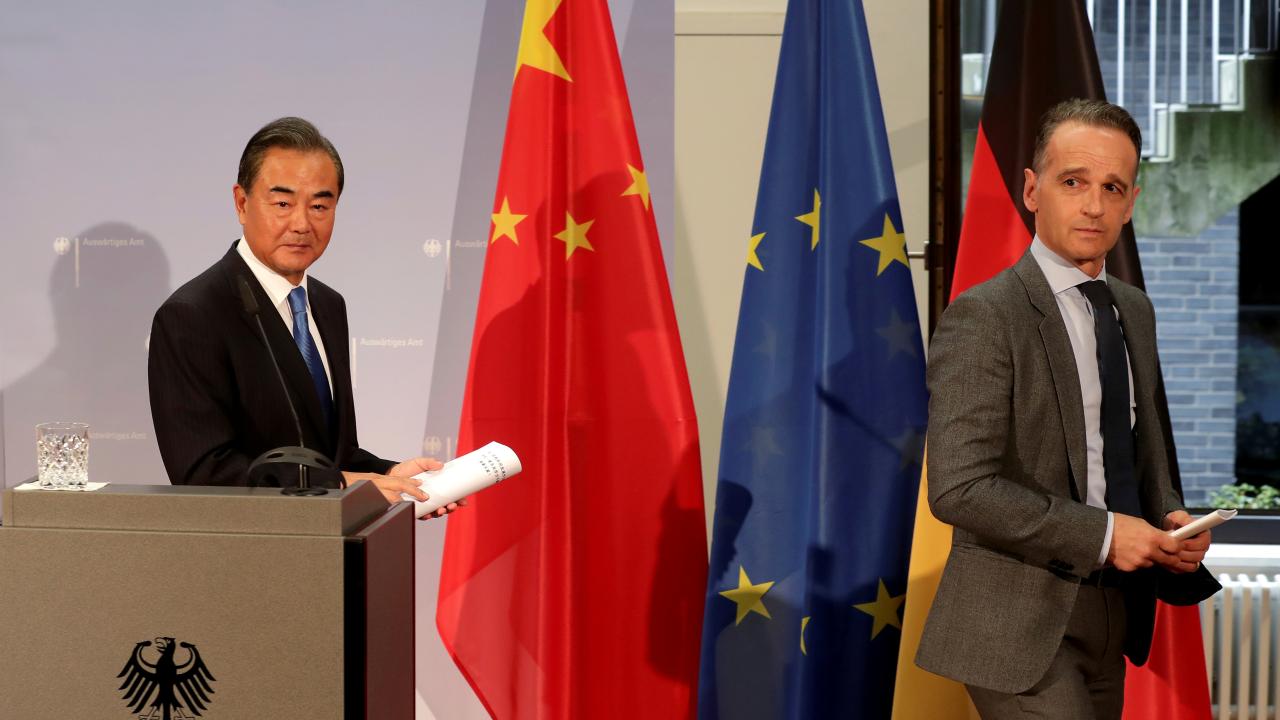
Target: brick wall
1194	285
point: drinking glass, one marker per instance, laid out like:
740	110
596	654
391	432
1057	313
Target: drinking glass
62	455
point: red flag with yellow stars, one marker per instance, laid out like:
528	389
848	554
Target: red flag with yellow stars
574	590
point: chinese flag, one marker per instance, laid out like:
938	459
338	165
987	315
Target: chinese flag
574	590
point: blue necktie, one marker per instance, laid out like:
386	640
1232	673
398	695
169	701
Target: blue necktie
310	355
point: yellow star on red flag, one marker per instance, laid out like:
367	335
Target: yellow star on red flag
574	235
504	223
536	50
639	185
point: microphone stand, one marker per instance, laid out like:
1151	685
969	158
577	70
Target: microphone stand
304	457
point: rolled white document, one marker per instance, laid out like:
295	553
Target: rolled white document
1199	525
465	475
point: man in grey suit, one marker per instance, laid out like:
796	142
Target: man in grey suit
1046	452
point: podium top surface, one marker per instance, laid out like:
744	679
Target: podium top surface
186	508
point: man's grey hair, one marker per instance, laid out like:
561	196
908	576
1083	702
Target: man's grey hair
292	133
1094	113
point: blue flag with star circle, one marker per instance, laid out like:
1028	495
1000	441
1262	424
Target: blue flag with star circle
825	418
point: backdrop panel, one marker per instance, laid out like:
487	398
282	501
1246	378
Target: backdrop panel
119	142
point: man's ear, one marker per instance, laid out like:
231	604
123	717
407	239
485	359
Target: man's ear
240	197
1029	189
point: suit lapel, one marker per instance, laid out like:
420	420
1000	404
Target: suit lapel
1140	358
1139	353
295	372
1062	364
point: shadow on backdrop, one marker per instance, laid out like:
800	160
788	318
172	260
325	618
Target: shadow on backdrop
440	686
105	286
482	153
650	35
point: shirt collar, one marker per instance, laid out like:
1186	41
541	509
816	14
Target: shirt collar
1061	274
275	284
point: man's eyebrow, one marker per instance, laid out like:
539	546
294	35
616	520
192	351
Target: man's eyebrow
322	194
281	189
1110	178
1116	180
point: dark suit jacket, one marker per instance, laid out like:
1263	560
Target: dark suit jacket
1007	468
216	401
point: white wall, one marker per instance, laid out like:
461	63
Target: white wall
726	56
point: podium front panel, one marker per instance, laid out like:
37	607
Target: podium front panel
270	615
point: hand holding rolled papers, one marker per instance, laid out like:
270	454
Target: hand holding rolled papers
1211	520
465	475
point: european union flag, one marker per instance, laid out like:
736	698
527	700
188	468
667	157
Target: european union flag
825	418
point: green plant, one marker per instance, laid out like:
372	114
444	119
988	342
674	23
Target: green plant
1246	496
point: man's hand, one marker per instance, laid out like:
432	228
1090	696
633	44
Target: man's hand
409	468
399	479
423	464
391	487
1135	544
1194	548
441	512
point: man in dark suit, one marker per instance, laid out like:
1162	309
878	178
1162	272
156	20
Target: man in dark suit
1046	452
216	401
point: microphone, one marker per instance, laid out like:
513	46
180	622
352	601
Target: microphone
251	307
300	455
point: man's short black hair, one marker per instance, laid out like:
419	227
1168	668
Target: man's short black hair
1094	113
292	133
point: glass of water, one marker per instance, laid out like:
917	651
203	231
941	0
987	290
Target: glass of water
62	455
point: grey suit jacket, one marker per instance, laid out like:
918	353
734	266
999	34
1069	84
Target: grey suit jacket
1007	468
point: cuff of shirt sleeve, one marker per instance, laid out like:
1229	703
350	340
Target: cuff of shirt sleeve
1106	539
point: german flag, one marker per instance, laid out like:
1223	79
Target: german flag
1043	54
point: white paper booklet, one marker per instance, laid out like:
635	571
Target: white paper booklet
465	475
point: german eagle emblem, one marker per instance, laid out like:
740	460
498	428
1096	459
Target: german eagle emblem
170	690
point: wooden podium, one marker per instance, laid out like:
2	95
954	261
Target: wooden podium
297	607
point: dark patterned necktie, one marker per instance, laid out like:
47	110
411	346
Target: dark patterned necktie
1113	372
310	355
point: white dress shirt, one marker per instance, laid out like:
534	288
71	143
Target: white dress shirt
1077	315
277	288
